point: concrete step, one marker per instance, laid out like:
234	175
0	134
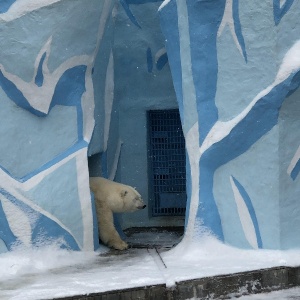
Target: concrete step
216	287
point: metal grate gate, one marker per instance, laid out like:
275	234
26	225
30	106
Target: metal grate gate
167	163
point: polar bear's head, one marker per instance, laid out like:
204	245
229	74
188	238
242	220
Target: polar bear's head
116	196
132	200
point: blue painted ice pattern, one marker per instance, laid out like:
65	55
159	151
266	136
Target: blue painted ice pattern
162	61
39	78
251	210
5	5
279	12
238	27
42	227
296	170
129	13
16	95
149	60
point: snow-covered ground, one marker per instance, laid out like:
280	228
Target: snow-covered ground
293	293
209	257
289	294
50	272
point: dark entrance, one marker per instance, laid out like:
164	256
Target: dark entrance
167	178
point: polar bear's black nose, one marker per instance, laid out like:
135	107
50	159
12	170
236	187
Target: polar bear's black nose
143	206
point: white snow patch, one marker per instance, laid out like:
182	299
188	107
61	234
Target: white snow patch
164	4
48	272
292	293
32	261
290	63
209	257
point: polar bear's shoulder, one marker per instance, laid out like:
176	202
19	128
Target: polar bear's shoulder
104	185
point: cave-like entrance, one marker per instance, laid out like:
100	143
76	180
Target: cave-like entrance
166	163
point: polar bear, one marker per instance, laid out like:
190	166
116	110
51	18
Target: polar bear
112	197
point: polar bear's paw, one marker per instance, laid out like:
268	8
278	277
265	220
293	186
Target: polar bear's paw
120	245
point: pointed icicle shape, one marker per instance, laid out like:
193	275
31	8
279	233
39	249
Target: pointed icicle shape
294	167
129	13
280	8
246	213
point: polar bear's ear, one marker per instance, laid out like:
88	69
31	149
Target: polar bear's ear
123	193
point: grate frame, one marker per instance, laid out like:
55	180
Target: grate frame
167	163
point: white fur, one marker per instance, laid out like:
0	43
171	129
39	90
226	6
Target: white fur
112	197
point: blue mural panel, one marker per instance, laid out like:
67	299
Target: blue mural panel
46	91
205	71
223	141
5	5
280	10
42	228
54	134
61	197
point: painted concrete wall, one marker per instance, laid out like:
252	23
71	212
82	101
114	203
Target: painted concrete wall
235	70
235	66
48	70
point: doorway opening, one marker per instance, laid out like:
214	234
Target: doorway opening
167	163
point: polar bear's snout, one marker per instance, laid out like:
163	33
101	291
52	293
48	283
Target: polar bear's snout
142	207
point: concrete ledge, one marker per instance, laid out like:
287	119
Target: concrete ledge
216	287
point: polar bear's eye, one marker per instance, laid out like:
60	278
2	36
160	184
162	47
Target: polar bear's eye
124	193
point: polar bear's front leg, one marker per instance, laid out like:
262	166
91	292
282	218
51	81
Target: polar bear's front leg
107	231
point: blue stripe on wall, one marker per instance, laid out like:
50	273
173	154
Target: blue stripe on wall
238	27
79	145
207	210
130	15
149	60
251	210
16	95
296	170
69	91
162	61
39	78
203	45
5	232
169	26
261	118
5	5
279	12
